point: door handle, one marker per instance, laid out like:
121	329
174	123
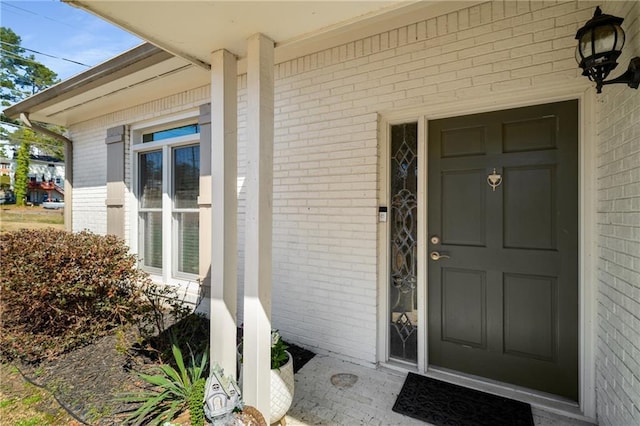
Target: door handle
437	256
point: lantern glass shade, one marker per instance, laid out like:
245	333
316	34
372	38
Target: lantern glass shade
600	42
579	56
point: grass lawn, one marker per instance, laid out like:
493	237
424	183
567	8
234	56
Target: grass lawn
23	404
13	218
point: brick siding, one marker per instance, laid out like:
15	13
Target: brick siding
618	173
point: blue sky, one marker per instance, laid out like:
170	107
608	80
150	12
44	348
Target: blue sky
64	31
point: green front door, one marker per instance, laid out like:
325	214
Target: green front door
503	246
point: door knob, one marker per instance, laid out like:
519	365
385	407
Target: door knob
437	256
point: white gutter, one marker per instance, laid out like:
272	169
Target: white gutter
68	167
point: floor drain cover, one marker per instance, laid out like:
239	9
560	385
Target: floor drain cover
344	380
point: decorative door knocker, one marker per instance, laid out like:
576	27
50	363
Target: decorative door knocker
494	180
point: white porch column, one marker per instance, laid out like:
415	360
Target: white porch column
259	186
224	210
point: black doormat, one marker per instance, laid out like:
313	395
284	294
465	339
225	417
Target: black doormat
445	404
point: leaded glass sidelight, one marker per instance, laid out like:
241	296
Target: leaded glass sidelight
403	334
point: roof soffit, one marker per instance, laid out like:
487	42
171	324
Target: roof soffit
110	86
194	29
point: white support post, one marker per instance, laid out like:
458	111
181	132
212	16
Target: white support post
224	210
258	228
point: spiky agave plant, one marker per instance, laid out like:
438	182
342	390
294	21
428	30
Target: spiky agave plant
172	389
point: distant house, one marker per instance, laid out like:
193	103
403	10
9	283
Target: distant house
6	173
427	186
46	177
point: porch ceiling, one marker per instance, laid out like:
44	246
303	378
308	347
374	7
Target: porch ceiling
182	36
195	29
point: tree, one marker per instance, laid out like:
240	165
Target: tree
10	61
5	182
21	183
21	76
44	144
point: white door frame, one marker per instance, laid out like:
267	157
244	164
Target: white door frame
586	97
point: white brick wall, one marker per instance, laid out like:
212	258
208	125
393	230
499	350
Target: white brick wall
325	231
90	176
242	171
618	351
327	157
482	50
128	188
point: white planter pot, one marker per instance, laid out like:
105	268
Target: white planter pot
282	387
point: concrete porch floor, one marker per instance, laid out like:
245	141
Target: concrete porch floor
317	402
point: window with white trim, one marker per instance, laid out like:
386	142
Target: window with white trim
167	164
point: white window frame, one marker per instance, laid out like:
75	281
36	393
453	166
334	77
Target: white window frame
169	273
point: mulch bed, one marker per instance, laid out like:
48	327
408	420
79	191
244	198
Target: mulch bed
88	381
300	356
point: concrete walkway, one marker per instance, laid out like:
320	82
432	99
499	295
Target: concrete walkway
368	402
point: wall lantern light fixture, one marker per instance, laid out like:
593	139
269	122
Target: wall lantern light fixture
600	43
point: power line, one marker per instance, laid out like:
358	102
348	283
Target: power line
19	142
44	54
15	125
37	14
14	56
11	124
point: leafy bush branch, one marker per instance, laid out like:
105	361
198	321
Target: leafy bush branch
62	290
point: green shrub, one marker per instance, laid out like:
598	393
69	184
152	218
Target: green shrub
61	290
196	402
